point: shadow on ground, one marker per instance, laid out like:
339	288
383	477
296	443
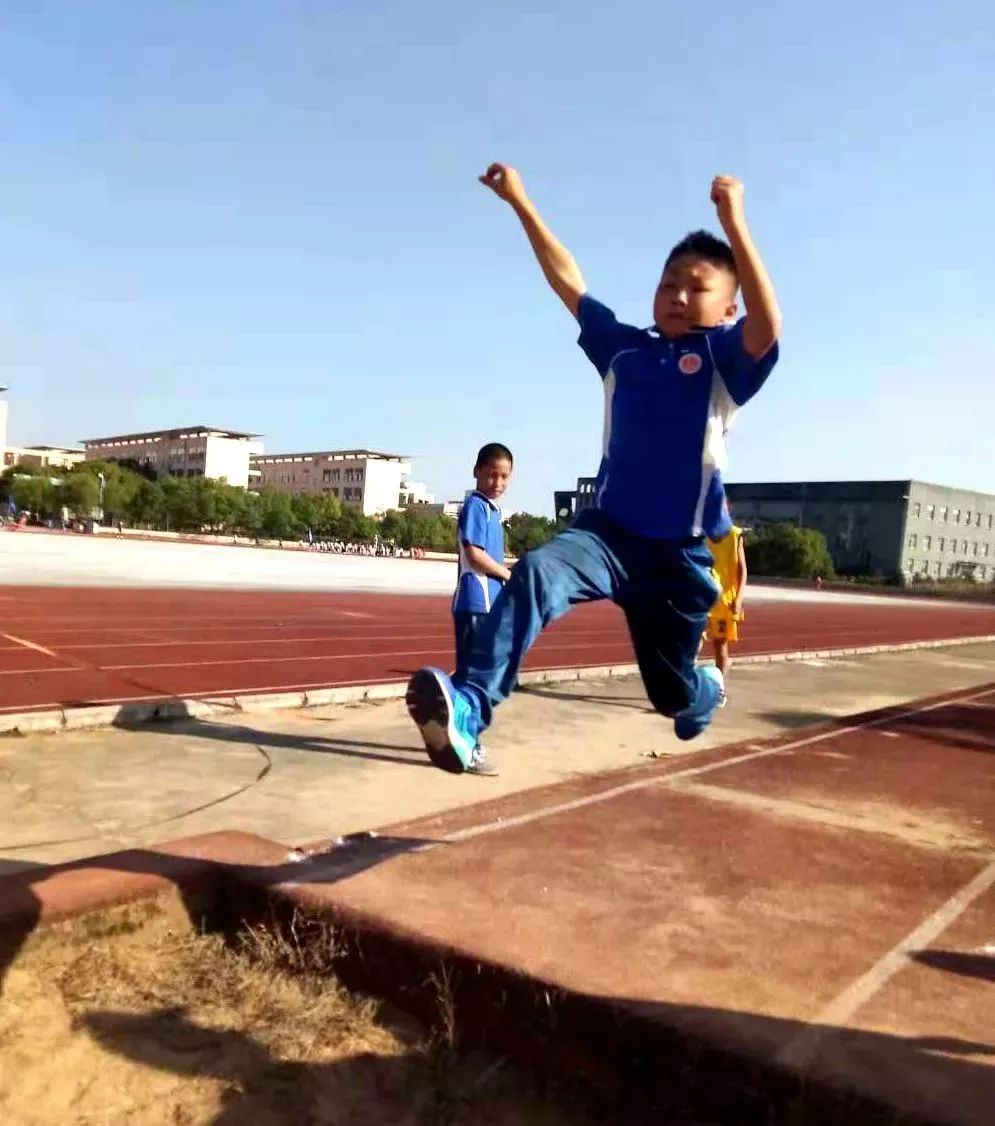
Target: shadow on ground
198	881
224	732
702	1078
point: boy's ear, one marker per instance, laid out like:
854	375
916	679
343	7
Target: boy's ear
731	310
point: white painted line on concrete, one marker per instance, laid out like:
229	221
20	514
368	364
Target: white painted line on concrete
695	771
801	1051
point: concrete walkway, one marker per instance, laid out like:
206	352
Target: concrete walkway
302	776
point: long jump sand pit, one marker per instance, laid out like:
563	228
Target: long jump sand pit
133	1015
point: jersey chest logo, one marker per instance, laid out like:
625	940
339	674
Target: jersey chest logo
689	363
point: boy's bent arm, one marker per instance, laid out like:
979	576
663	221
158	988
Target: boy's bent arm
558	265
762	326
482	562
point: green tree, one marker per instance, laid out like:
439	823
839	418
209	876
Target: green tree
789	552
120	486
247	518
278	520
80	493
34	494
392	527
147	507
524	532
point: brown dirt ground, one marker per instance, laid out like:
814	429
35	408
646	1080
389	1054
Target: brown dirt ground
131	1017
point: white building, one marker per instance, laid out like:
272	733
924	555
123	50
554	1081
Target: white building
3	426
43	457
188	451
37	457
372	481
414	493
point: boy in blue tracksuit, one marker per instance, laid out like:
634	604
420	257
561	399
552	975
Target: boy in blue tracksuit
671	393
480	542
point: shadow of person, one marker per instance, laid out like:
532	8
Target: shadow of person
259	1088
980	966
20	910
200	882
393	753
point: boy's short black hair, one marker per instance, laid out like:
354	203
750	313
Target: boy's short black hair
703	244
493	451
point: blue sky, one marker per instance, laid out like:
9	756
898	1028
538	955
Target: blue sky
264	215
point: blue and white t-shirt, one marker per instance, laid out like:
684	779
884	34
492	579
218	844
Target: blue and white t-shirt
668	407
479	525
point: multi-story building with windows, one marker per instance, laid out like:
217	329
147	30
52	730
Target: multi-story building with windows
188	451
910	528
372	481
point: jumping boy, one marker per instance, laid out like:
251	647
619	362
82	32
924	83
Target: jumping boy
724	617
670	395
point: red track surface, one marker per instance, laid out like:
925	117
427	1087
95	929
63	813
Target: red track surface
63	646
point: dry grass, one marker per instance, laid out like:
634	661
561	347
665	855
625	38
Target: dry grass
130	1017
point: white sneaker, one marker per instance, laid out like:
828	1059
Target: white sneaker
480	763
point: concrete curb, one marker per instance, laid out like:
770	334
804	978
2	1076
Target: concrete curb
159	711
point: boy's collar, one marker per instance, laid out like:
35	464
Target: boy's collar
485	497
697	330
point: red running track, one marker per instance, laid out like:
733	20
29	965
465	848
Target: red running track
64	646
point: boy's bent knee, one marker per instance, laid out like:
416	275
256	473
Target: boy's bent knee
668	702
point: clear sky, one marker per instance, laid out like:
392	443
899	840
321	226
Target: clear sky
264	215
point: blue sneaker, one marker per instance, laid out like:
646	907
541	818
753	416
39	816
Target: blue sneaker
692	721
444	717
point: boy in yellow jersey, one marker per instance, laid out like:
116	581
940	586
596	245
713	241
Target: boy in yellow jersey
729	568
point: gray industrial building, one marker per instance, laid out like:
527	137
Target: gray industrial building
886	528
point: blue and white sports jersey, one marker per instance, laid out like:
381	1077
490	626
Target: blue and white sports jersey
668	407
479	525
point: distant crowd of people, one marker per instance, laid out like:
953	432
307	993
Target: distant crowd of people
381	549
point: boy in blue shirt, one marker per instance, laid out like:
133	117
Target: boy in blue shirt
671	393
480	542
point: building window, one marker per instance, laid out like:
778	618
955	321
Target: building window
941	543
930	511
913	540
963	547
927	543
917	510
943	513
326	475
912	566
989	523
967	518
977	519
975	551
986	549
953	547
956	515
937	568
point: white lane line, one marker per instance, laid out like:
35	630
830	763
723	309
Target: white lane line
801	1051
444	635
694	771
391	654
20	642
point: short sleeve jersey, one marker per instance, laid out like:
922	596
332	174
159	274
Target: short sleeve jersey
479	526
669	405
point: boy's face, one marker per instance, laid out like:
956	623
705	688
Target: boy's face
692	294
493	476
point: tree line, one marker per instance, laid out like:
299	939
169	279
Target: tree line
134	497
